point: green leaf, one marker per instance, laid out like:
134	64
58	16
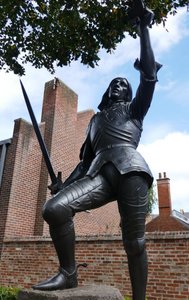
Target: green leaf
50	32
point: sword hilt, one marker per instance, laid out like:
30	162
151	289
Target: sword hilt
139	12
55	188
137	9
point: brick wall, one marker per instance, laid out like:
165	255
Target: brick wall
26	262
168	254
20	183
59	113
25	177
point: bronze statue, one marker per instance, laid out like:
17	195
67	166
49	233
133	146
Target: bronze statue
110	168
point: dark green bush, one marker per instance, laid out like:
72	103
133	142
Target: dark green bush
8	293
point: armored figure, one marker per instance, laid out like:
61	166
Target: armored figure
110	168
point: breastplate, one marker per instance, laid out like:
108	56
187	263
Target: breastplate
114	127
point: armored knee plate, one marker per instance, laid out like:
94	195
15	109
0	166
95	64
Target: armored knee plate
134	247
56	211
85	193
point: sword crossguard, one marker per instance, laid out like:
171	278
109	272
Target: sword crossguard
140	14
56	187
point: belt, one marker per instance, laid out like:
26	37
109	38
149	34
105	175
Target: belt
108	147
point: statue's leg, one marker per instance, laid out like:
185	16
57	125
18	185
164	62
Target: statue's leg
63	238
58	212
133	203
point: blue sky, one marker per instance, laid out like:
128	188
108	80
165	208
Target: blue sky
165	140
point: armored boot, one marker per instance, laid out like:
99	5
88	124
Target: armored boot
62	280
63	238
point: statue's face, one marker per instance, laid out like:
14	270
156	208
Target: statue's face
118	89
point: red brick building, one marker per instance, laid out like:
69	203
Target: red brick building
24	178
167	220
24	238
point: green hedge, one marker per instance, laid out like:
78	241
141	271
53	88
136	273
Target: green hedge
8	293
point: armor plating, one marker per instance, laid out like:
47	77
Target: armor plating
114	133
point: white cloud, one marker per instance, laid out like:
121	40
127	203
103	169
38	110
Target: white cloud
155	131
170	155
179	93
9	90
166	86
176	28
126	51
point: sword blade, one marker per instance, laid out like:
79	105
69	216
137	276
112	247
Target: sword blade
39	137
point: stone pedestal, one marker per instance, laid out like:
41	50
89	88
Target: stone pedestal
88	292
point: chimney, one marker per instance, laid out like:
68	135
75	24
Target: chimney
59	113
166	221
164	195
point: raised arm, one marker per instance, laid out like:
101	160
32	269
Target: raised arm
147	60
148	69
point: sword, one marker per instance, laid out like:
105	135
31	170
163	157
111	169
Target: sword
55	179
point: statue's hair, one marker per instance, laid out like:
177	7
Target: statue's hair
106	99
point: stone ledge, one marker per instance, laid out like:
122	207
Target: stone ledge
156	235
87	292
167	235
42	239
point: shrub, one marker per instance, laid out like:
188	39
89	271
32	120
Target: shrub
8	293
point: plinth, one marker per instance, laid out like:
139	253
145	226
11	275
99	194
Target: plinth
88	292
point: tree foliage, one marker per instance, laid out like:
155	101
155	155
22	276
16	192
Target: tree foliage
152	199
55	32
